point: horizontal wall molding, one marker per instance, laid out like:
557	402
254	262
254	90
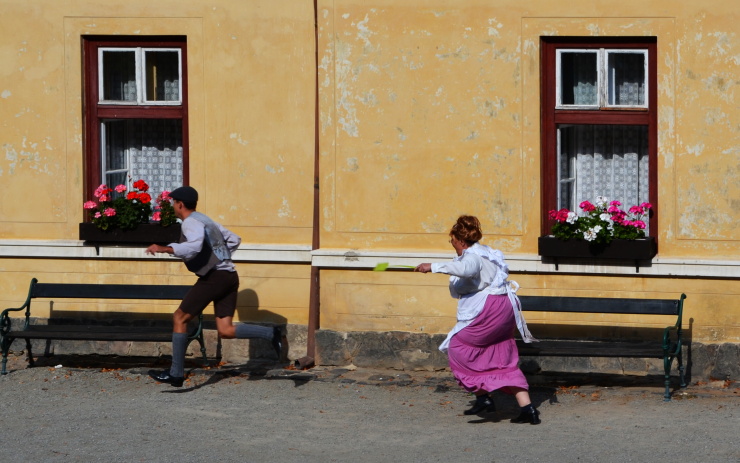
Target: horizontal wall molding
532	263
74	249
362	260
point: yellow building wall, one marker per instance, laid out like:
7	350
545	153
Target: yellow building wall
251	80
251	77
432	109
427	110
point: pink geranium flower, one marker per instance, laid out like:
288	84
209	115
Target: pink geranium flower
587	206
127	208
601	221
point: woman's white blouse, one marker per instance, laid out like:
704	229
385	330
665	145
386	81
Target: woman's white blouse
479	272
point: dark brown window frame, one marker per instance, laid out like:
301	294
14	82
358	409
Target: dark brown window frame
94	112
551	117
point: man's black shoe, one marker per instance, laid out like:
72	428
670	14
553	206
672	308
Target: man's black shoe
166	377
277	342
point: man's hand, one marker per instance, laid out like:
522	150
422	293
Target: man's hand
155	248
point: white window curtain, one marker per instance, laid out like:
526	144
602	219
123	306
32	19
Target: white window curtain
146	149
157	159
603	160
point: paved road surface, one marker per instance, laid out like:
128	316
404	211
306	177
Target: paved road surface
115	413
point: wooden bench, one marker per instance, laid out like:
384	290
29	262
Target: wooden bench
108	330
668	349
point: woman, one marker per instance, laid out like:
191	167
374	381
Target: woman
481	348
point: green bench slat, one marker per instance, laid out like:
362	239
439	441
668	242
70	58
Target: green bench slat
108	291
566	348
600	305
94	333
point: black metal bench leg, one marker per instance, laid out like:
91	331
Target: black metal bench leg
679	358
6	347
28	351
667	360
203	349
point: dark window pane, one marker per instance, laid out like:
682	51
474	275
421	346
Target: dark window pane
162	76
626	79
578	78
119	76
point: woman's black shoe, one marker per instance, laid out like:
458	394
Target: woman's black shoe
166	377
530	415
483	404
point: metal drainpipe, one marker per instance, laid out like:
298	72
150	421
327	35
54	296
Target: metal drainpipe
313	304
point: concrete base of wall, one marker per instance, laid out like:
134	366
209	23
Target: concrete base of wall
399	351
412	351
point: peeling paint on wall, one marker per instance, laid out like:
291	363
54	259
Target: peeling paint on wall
27	157
284	210
238	138
346	112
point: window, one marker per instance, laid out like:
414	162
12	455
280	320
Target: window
599	122
135	112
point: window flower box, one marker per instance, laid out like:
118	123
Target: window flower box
144	234
636	250
122	216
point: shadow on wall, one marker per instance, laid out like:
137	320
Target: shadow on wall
248	311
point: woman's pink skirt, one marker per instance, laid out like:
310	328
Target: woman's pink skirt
483	355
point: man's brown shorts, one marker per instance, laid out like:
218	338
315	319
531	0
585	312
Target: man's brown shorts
217	286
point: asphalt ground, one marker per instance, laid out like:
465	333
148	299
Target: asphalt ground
83	409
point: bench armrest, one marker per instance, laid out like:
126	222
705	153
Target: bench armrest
671	347
5	322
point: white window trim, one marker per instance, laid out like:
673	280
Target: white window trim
140	60
602	81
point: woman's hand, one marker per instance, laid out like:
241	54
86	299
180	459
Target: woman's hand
423	268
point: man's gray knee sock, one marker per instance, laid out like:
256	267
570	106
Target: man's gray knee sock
179	344
245	330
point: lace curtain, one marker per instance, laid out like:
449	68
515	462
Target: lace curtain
603	160
147	149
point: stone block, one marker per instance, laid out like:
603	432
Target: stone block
392	349
727	363
332	348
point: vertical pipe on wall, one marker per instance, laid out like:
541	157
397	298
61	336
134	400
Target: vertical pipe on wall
313	305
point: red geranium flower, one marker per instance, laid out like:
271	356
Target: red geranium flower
141	185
